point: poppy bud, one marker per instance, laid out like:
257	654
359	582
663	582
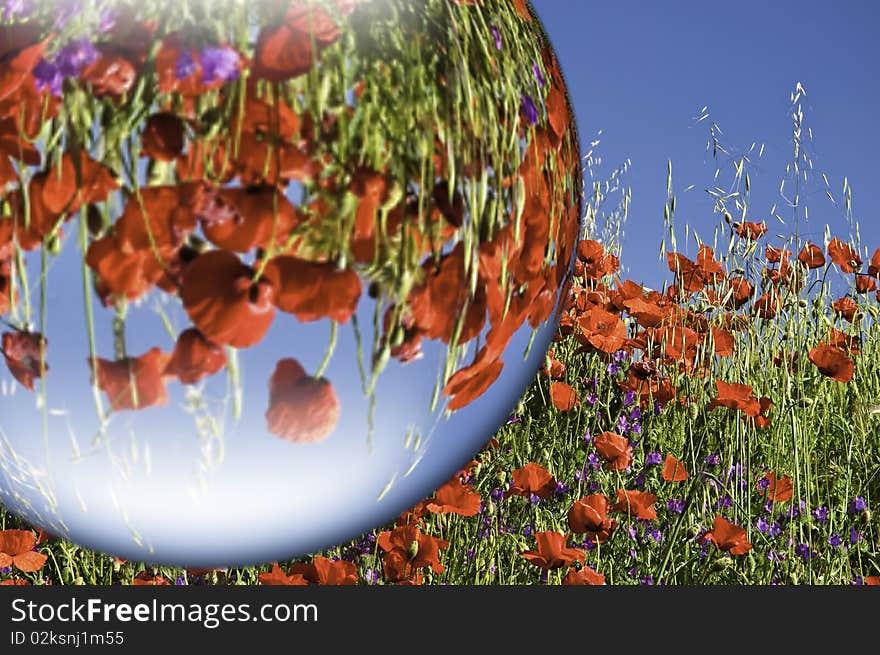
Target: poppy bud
413	549
694	531
501	478
53	245
94	221
722	563
865	516
491	508
78	580
802	302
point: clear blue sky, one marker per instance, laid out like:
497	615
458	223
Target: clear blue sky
641	70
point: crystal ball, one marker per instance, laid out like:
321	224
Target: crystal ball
270	273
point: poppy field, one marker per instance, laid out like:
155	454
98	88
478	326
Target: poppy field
718	426
721	430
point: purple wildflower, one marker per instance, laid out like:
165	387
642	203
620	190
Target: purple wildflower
594	461
539	76
763	484
713	459
180	581
724	502
854	536
631	531
219	64
529	110
561	488
371	576
653	458
47	76
620	356
613	368
622	424
527	531
185	66
775	529
835	540
629	398
821	514
804	552
762	525
496	35
72	57
592	399
534	499
658	408
654	533
674	505
647	581
858	505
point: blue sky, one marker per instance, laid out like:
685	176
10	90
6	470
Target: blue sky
641	71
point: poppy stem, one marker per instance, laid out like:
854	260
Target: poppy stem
331	346
90	315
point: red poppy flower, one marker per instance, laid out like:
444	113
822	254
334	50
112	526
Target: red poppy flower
243	218
776	255
25	354
638	504
111	74
832	362
531	479
584	576
872	580
14	583
552	552
737	397
865	284
302	409
564	397
278	577
469	383
728	537
224	302
17	549
286	50
145	578
455	498
553	368
844	255
741	290
326	572
123	272
312	291
811	256
723	341
162	138
438	301
589	516
597	263
846	308
417	550
86	181
850	343
134	382
603	330
194	357
768	305
673	470
874	266
614	449
749	230
779	490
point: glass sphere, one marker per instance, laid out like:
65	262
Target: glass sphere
270	273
